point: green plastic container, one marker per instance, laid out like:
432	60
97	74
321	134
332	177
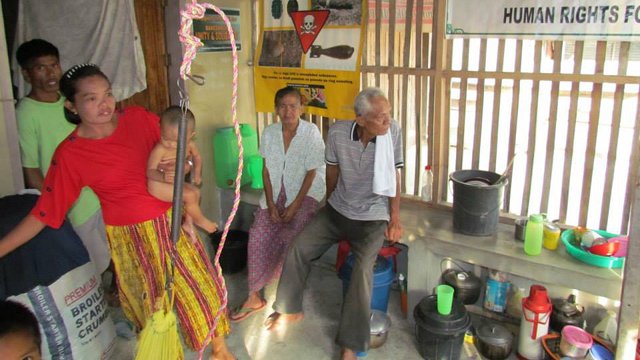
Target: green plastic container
609	262
225	151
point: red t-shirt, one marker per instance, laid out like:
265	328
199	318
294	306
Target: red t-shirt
115	168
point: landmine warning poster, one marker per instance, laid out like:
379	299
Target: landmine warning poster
551	20
314	45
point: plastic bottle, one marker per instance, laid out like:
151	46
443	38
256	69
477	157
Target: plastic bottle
427	183
402	281
533	235
607	327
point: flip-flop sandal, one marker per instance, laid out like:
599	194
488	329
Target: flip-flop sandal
240	313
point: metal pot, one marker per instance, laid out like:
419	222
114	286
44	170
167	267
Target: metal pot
494	341
467	286
566	312
380	324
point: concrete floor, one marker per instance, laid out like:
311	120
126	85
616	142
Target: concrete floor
313	337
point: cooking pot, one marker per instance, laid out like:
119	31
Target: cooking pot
566	312
380	324
494	341
467	286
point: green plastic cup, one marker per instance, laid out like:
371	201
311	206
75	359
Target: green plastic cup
444	295
254	169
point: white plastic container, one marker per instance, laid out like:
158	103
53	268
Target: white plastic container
427	184
607	328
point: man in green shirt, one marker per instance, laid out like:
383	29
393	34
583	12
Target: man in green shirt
41	127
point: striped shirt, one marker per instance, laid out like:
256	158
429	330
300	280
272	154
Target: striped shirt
353	196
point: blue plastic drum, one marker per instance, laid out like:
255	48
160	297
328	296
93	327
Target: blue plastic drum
382	278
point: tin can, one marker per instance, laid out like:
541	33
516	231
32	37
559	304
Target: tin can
495	295
550	236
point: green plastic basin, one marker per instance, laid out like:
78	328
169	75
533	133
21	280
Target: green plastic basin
610	262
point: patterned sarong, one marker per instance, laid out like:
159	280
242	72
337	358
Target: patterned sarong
270	241
136	251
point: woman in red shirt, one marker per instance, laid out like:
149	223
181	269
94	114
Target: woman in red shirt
108	152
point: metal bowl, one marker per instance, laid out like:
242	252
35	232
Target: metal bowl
520	225
605	248
380	324
494	341
377	340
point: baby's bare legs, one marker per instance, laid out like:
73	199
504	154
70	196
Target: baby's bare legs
191	198
189	228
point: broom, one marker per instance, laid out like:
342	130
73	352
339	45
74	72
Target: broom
159	340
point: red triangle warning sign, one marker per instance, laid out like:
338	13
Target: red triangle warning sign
308	24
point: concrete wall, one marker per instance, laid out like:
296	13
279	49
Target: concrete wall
211	103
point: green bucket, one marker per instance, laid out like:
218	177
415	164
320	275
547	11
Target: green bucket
225	151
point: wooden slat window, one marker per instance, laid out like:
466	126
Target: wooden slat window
567	112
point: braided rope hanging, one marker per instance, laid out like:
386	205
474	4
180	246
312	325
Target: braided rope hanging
191	44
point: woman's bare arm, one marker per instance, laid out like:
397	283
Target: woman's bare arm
29	227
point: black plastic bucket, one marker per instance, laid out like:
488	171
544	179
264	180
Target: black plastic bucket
440	337
234	255
476	201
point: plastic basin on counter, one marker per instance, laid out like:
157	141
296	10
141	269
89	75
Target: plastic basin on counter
610	262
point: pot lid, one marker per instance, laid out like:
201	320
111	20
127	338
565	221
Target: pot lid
461	279
537	301
494	334
380	322
567	306
427	316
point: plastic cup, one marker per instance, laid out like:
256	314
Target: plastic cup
254	168
444	299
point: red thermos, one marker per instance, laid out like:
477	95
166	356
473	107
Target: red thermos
536	313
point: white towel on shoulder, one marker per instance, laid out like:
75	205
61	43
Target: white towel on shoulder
384	170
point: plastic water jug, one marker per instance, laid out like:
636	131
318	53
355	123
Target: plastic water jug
533	235
607	328
534	324
225	150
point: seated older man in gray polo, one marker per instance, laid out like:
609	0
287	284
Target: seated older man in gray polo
363	191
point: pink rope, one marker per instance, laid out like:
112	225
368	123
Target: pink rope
191	44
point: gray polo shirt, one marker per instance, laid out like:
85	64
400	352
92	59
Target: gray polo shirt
353	196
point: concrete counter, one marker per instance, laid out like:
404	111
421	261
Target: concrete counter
430	236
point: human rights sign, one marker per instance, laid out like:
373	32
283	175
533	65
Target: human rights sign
551	20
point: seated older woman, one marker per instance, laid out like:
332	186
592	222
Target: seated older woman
294	185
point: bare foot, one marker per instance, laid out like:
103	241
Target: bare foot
348	354
188	228
220	350
207	225
277	320
226	356
253	300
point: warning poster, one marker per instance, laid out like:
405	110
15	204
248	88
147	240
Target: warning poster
314	45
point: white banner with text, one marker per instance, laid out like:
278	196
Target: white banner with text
551	20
